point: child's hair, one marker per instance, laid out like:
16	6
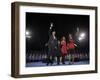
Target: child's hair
63	38
70	36
58	41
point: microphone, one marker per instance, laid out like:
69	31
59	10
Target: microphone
51	25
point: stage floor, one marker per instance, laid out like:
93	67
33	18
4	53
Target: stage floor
41	64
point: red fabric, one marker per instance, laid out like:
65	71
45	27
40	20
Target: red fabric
63	47
71	44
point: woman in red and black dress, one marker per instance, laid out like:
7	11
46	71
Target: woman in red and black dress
63	49
71	49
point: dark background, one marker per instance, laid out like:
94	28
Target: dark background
38	24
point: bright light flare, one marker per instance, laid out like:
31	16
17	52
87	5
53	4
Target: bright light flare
80	38
82	35
28	35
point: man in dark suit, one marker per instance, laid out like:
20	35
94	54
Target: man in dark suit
52	47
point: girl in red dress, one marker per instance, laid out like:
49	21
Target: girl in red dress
63	49
71	49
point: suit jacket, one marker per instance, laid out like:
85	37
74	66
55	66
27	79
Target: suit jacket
52	45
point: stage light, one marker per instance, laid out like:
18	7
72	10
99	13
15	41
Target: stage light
28	35
82	35
80	38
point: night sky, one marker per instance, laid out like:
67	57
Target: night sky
38	24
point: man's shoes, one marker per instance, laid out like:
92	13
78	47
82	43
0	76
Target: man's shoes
58	63
70	63
51	64
47	64
63	63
